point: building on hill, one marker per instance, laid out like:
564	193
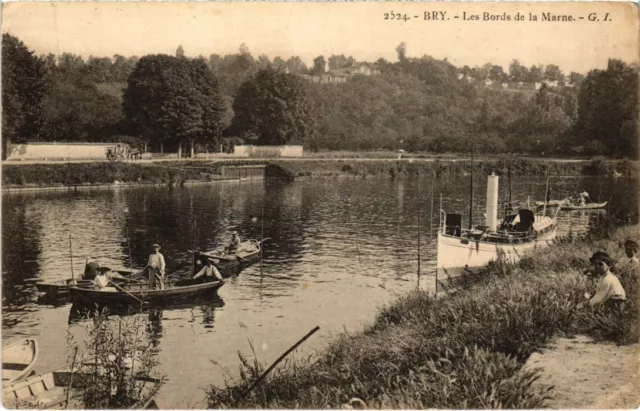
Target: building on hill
341	75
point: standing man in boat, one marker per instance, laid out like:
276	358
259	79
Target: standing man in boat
91	269
209	271
155	267
235	243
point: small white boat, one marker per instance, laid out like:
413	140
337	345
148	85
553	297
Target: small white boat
18	359
588	206
62	389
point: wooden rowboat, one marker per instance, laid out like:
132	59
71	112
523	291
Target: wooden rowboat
590	206
18	359
135	293
229	264
60	288
49	391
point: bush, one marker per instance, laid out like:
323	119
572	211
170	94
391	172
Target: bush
116	362
465	350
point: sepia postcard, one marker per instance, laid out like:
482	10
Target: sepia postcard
343	205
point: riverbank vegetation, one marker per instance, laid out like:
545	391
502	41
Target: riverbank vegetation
464	350
418	104
178	173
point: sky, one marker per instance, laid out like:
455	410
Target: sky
311	29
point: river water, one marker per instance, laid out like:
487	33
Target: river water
338	250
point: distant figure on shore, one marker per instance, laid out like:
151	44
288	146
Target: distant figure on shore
156	267
584	197
209	271
91	269
609	291
234	244
631	250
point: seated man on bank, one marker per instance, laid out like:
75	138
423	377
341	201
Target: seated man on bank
609	291
209	271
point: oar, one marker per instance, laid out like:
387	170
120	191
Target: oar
127	292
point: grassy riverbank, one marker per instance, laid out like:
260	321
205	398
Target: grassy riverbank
465	350
177	173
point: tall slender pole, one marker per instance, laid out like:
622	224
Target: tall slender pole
471	189
439	228
419	226
193	247
433	180
73	277
129	246
546	190
261	236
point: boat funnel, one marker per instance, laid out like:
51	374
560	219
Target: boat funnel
492	202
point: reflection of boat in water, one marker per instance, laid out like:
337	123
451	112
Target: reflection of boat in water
82	310
461	251
132	293
230	264
62	389
18	359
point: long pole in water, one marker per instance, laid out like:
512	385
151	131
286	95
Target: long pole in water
73	277
471	189
419	225
546	191
439	227
129	246
193	246
261	236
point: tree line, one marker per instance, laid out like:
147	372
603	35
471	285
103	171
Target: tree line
415	104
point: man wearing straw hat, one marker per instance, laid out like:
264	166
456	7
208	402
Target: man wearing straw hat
156	267
609	290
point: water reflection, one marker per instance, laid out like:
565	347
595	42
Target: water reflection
337	251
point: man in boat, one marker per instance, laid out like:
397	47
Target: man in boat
584	197
209	271
631	250
609	292
548	195
156	267
234	244
91	269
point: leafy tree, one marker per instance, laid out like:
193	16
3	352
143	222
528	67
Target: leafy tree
575	79
170	98
319	65
536	74
518	72
608	110
23	92
275	107
296	65
496	74
553	73
338	62
401	51
180	51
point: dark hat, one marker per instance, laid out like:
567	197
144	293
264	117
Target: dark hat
601	256
632	244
